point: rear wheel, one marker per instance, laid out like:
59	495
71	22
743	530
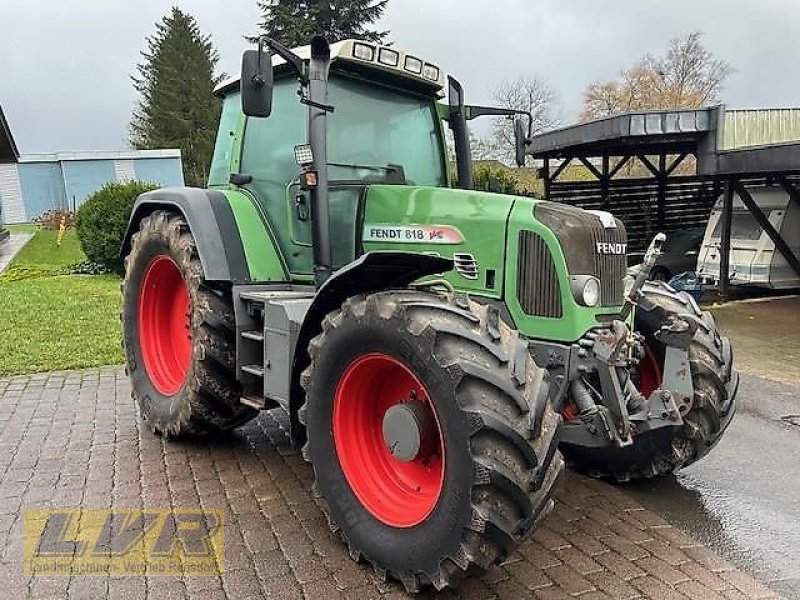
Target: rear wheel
178	334
668	449
432	441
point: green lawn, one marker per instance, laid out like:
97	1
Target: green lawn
42	252
50	321
65	322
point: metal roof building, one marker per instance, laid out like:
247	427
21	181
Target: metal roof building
686	160
31	184
40	182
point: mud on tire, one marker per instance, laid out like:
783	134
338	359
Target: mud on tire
499	434
715	383
208	400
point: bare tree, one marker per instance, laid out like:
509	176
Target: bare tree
482	148
530	94
686	76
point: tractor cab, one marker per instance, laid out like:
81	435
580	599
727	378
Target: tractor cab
383	127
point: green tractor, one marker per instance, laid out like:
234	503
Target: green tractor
433	346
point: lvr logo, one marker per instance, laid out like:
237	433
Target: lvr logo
124	541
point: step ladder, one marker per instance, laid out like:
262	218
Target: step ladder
267	329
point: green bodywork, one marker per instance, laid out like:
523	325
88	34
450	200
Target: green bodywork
490	224
277	241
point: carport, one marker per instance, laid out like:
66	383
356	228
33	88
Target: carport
685	159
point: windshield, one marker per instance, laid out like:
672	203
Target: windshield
374	129
743	226
683	241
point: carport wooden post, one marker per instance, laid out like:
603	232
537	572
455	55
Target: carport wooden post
725	241
604	183
545	175
662	191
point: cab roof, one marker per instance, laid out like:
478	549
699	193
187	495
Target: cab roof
366	56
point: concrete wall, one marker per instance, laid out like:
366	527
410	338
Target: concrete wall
43	182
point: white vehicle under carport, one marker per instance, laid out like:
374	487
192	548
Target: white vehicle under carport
754	259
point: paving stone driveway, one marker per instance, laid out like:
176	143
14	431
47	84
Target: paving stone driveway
74	439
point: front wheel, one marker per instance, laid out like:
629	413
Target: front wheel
665	450
178	334
430	434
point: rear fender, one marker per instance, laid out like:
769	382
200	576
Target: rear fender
369	273
212	224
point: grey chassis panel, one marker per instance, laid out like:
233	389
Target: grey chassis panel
222	259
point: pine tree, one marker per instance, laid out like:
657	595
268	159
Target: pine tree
177	107
295	22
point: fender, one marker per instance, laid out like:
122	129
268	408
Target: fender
212	224
371	272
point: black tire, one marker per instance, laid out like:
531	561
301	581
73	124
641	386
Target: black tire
499	432
668	449
208	400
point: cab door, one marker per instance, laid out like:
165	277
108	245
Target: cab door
268	158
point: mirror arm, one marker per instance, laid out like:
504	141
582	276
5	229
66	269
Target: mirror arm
286	54
473	112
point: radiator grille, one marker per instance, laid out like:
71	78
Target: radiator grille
538	290
610	268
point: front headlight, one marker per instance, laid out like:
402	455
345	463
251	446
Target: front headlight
591	292
585	289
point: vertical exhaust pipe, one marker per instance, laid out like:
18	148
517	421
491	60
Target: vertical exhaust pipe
318	139
458	125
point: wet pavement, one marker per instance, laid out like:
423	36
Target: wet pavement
765	335
74	439
743	499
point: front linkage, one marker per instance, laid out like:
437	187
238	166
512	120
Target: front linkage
591	380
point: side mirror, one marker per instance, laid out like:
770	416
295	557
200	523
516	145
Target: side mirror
455	96
520	141
256	83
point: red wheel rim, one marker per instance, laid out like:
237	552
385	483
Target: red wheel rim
165	325
400	494
649	373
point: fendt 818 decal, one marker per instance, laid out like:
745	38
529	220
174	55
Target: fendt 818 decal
412	234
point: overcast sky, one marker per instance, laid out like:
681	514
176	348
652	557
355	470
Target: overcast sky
65	65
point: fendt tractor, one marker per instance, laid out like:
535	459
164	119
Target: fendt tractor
432	345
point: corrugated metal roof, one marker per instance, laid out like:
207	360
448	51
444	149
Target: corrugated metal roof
760	126
606	135
8	148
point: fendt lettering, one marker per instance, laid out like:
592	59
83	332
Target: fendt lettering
308	279
611	248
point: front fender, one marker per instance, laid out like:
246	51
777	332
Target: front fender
211	222
370	272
